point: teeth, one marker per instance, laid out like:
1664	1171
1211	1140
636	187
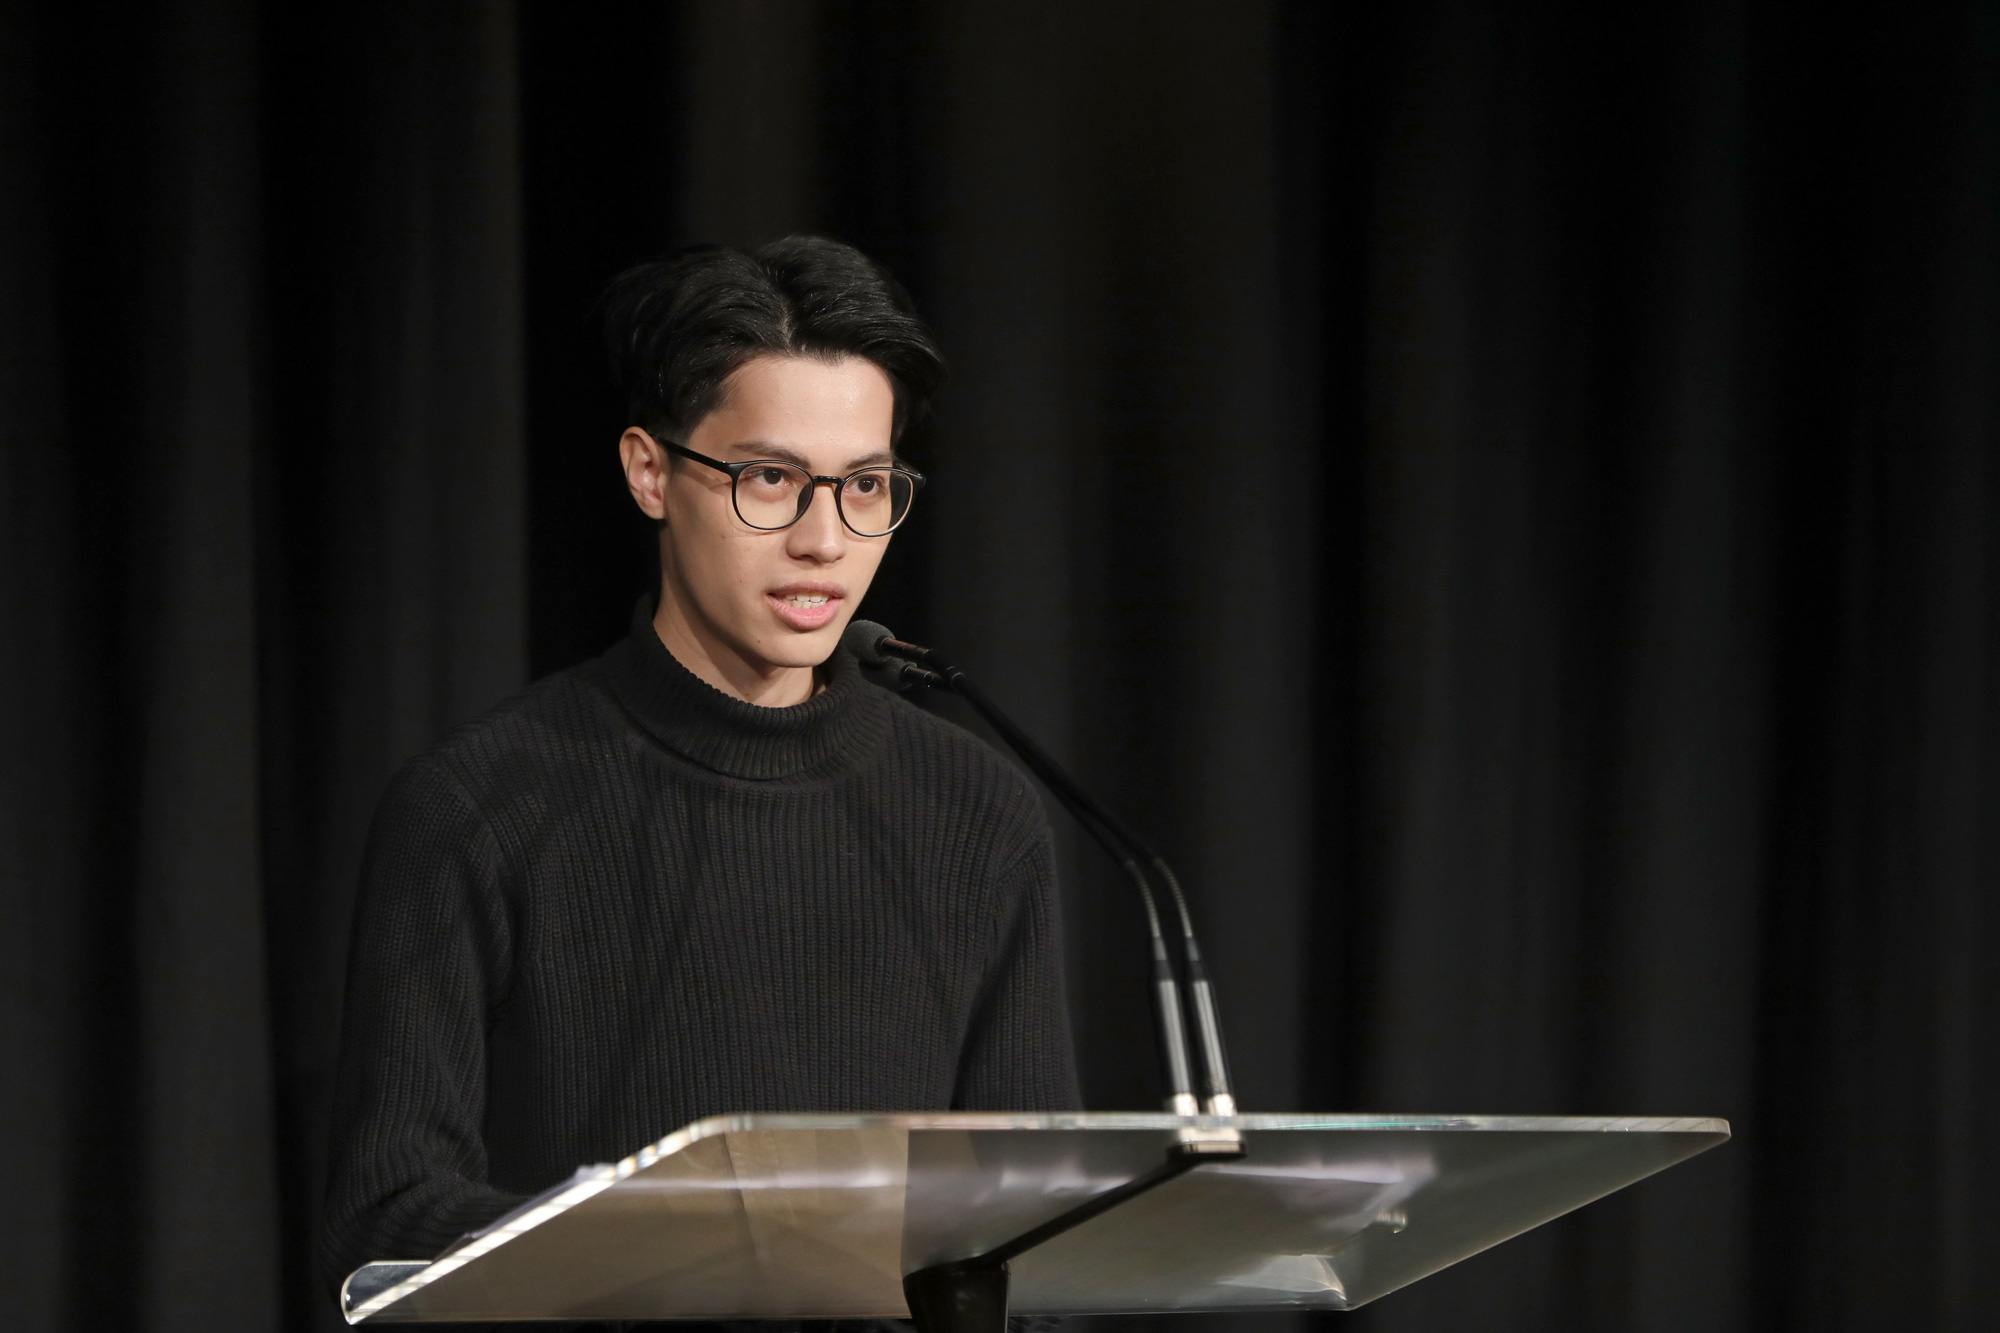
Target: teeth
807	599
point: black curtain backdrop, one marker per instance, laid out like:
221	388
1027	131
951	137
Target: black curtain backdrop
1506	493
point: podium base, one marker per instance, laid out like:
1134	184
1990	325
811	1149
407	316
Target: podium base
958	1298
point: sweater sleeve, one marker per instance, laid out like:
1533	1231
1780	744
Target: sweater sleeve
429	960
1018	1054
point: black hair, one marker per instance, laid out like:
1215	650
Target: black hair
677	328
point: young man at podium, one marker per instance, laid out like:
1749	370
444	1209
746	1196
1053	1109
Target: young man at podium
712	870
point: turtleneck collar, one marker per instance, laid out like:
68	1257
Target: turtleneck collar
743	740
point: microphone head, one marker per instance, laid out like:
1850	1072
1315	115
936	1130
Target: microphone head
864	638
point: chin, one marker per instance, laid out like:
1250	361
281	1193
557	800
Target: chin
803	650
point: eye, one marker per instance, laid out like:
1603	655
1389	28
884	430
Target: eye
867	484
769	476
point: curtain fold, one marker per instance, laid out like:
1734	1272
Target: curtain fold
265	537
393	474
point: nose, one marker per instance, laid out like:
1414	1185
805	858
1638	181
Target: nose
818	535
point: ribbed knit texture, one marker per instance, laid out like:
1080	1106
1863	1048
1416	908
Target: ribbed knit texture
624	900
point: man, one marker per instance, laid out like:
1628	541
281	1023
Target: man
713	870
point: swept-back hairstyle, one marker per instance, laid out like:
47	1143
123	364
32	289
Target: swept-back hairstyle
677	328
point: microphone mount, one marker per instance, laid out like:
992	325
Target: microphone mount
903	666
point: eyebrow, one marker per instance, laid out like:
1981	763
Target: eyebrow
751	450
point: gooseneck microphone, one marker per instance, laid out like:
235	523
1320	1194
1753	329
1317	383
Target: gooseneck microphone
905	666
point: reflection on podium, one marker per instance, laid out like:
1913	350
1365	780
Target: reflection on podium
795	1216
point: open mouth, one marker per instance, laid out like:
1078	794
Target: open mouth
805	608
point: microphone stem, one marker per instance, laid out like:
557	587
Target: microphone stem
1208	1026
1125	848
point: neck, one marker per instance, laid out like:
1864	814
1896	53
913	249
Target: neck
709	659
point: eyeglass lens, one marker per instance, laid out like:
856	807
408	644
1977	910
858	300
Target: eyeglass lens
776	495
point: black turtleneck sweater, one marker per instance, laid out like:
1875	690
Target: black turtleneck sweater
624	900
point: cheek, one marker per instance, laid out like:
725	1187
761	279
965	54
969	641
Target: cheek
865	558
723	565
702	545
727	570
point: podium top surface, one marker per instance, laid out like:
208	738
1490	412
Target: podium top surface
820	1216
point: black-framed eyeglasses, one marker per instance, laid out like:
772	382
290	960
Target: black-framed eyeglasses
770	495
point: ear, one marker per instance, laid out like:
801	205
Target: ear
646	467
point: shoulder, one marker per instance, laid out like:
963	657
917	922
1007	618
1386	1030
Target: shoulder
924	737
962	773
544	740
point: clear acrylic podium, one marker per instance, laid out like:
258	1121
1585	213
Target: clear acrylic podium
817	1216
